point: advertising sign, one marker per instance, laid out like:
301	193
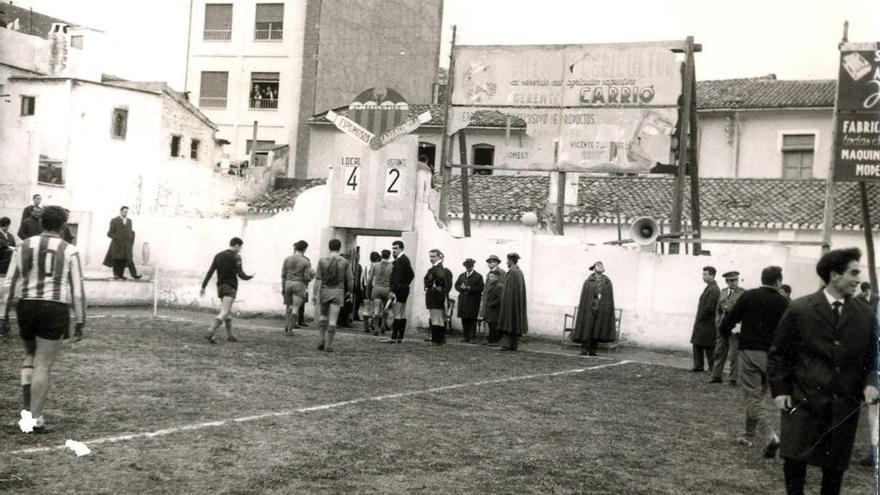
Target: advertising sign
858	120
378	116
597	108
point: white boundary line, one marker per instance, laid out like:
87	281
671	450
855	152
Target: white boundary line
322	407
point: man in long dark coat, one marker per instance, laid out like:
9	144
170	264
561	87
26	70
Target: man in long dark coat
492	262
703	336
470	289
820	373
513	321
595	314
119	254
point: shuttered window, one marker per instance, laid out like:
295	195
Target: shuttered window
213	89
798	151
218	22
269	23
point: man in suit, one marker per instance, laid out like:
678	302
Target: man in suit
7	245
726	345
758	312
119	254
470	288
31	225
703	335
26	212
401	276
821	371
494	334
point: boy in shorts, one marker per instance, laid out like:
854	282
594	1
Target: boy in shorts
44	274
227	264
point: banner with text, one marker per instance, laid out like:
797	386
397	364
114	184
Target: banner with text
858	120
599	108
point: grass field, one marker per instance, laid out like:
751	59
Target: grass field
502	423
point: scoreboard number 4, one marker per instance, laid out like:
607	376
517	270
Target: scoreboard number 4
351	176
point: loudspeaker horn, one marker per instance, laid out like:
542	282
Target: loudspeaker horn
644	230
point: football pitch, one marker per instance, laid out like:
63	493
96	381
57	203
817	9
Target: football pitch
164	412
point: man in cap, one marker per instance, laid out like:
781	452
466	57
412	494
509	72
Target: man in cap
727	345
513	321
595	315
470	288
488	291
703	335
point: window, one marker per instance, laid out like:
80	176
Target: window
484	154
50	171
76	41
261	155
269	21
119	124
28	105
213	89
427	153
218	22
175	146
194	149
264	90
797	156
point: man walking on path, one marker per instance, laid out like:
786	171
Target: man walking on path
119	254
45	278
727	345
332	278
227	264
758	311
822	372
401	277
295	278
513	322
703	336
470	288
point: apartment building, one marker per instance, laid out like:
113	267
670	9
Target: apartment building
280	62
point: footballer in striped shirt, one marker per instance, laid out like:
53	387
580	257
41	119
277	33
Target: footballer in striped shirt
43	282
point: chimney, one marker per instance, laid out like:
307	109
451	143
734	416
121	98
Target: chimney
58	46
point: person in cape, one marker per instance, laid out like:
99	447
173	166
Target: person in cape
513	320
595	314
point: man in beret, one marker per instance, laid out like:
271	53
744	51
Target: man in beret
470	288
726	345
513	321
492	262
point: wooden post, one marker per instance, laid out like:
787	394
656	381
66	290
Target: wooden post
465	187
869	237
684	127
692	160
560	192
251	163
830	199
619	233
445	141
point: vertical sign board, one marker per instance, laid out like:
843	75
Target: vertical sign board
857	135
374	189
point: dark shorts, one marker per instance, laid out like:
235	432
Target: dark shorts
401	294
44	319
435	299
226	290
380	293
294	288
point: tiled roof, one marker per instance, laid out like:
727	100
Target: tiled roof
481	118
283	198
740	203
765	93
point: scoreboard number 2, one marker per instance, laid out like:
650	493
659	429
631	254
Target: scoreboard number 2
392	180
351	176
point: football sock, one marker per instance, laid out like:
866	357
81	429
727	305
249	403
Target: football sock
27	373
402	328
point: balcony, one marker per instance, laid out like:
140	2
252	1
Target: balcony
212	102
268	34
264	103
217	35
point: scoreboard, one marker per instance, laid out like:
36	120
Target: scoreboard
373	189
